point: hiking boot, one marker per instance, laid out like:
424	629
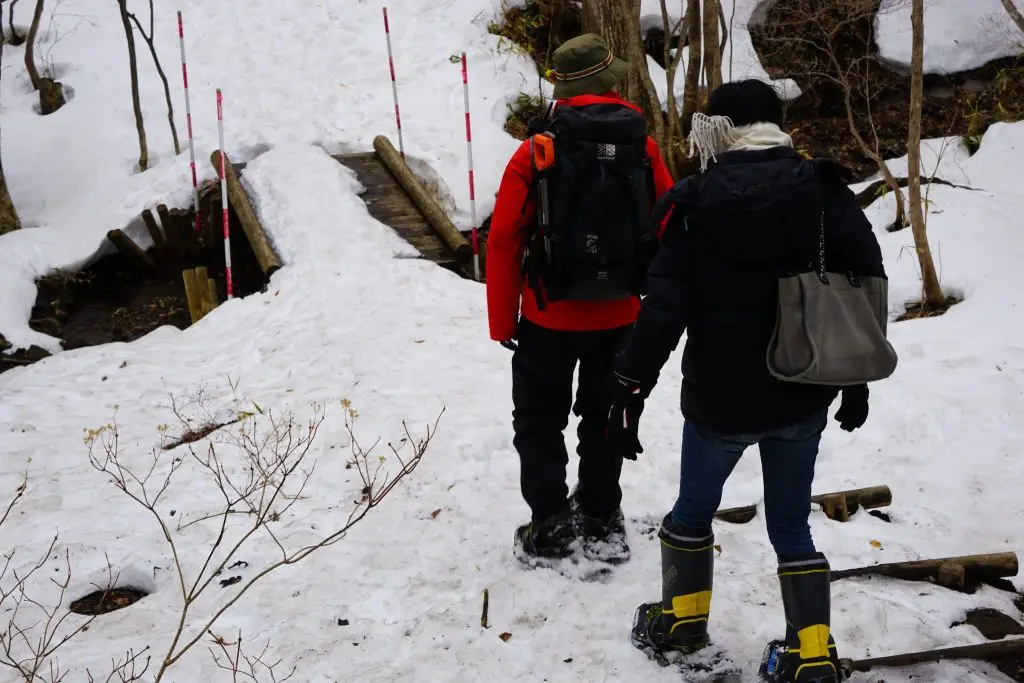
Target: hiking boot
808	655
680	622
551	538
603	537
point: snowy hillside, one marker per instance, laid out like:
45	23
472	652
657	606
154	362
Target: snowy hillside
352	317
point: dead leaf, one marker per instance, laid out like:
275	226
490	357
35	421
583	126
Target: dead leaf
435	513
718	549
418	341
875	544
505	636
277	293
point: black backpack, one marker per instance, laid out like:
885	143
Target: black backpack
594	190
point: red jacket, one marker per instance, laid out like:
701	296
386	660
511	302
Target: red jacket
507	289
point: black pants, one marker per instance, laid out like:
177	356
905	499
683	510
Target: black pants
542	379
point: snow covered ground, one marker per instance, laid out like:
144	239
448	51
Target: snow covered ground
351	317
958	35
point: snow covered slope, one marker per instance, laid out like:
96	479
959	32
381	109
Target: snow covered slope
351	317
959	34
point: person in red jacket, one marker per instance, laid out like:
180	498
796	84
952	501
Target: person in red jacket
552	335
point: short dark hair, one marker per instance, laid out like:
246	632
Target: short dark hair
746	102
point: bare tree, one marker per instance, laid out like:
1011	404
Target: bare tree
712	44
691	91
1014	13
932	291
9	220
812	43
16	38
275	467
148	37
133	67
51	93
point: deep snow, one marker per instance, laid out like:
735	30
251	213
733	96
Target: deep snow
352	317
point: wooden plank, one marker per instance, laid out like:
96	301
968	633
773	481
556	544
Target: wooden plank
259	240
131	250
212	296
1000	649
155	234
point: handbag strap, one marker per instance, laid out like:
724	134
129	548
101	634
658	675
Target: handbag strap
820	270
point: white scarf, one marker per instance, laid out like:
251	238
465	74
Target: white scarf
711	135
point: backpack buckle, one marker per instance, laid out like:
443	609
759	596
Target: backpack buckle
542	151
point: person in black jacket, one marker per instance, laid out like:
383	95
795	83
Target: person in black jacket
751	216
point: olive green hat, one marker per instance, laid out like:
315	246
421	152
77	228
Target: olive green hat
585	66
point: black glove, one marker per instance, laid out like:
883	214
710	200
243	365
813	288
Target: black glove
853	410
627	398
510	344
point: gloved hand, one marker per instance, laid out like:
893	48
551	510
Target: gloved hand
510	344
627	398
853	410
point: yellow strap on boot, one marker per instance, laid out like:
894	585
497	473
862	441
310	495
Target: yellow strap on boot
691	607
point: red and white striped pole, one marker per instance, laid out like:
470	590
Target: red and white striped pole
472	187
188	120
224	195
394	84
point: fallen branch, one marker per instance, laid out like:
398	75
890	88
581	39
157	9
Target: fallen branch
869	194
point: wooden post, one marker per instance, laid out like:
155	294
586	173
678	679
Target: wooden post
852	500
155	234
134	252
192	295
433	214
212	297
258	238
1000	649
171	232
976	569
186	231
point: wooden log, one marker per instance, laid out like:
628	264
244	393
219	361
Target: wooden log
852	500
212	297
155	234
171	232
951	575
998	650
186	231
132	251
977	569
193	295
258	238
433	213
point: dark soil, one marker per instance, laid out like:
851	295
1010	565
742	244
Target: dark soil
920	309
539	27
104	602
114	300
992	623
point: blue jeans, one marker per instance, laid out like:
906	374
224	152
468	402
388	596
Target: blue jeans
787	460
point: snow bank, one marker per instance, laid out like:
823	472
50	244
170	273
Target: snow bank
959	36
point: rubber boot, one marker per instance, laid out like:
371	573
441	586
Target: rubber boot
810	655
687	571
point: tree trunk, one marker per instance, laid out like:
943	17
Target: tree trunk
618	22
1014	13
134	69
30	48
691	93
9	221
712	55
16	38
51	94
929	278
